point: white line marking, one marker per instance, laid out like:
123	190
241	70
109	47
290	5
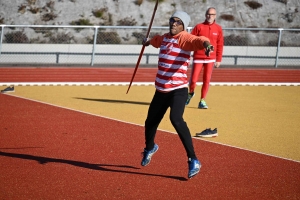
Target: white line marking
246	149
143	126
140	84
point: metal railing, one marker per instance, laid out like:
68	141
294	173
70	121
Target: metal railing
97	45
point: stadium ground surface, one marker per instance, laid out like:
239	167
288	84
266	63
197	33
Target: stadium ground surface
64	140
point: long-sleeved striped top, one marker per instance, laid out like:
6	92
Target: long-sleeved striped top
174	59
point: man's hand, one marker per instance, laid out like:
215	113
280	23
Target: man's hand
146	41
217	64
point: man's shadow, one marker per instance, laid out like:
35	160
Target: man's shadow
113	101
102	167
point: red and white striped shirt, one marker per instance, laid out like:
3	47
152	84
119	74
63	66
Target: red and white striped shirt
174	59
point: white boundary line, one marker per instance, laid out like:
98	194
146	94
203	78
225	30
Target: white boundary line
247	150
140	84
158	129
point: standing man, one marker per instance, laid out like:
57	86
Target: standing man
210	29
172	85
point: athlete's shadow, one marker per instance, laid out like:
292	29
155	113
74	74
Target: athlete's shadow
101	167
113	101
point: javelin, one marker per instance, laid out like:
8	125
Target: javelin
142	50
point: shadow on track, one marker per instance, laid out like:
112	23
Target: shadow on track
113	101
102	167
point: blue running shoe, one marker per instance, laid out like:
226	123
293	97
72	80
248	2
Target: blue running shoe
148	154
190	96
194	167
202	104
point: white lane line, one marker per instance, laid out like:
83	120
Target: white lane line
246	149
141	84
158	129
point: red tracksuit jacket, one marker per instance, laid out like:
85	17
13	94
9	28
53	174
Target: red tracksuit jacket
215	34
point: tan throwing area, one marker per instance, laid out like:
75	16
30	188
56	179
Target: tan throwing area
259	118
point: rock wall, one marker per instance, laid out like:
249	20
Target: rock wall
269	13
231	14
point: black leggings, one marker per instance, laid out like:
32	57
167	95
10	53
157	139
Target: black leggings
159	105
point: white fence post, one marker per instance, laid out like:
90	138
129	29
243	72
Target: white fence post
278	47
94	45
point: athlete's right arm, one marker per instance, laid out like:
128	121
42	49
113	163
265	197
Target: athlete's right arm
156	41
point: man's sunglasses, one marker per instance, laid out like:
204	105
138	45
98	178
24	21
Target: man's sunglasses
178	22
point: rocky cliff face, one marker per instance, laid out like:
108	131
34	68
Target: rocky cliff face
231	13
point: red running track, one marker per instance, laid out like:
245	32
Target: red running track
54	74
47	152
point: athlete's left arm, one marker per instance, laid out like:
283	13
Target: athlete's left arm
219	47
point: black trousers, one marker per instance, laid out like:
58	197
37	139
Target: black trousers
159	105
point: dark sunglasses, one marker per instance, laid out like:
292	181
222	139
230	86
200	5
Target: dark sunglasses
178	22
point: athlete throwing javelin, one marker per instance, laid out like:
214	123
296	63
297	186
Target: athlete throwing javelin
172	85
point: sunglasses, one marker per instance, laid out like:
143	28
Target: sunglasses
178	22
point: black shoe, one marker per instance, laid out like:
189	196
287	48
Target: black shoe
208	133
8	89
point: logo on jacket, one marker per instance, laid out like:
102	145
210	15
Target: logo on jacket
169	48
